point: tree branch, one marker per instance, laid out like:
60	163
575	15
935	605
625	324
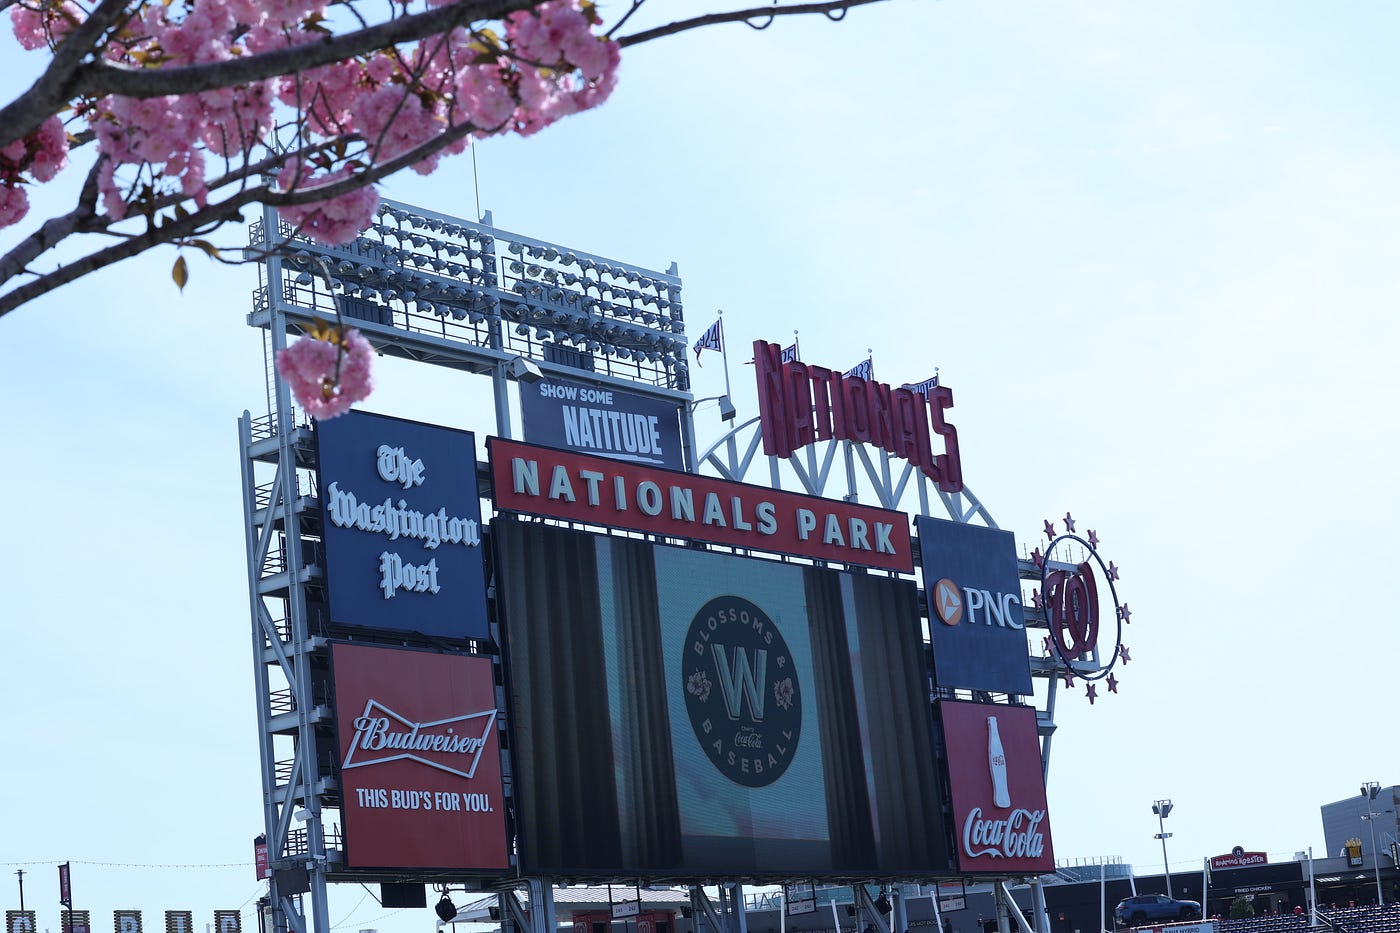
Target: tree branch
829	7
174	230
65	80
50	93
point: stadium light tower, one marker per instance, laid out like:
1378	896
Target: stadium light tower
1370	790
1163	809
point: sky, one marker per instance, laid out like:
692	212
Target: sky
1151	248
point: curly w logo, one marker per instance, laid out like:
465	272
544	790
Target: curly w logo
740	680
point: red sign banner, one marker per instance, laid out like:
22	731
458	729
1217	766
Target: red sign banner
800	404
1239	858
578	487
420	760
999	811
260	859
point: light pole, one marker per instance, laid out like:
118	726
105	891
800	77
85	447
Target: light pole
1370	790
1163	809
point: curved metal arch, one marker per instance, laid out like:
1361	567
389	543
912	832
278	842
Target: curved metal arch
734	456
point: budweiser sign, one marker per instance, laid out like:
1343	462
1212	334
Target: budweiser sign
997	787
800	404
453	744
420	773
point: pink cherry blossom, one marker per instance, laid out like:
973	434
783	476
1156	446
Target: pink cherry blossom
334	220
326	378
38	28
14	204
537	66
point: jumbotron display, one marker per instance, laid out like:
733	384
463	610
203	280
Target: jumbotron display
683	711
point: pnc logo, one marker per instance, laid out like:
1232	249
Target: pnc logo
951	602
947	602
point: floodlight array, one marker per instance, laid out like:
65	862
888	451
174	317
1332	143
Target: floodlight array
423	272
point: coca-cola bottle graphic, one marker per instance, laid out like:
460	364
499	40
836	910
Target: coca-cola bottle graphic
996	761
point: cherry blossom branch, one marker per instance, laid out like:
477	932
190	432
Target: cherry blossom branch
174	230
829	7
68	78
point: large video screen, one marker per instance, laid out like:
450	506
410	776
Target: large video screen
677	711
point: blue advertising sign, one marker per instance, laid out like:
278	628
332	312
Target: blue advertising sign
603	421
975	618
402	523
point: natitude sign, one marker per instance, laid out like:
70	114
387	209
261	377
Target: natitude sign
601	420
800	404
998	788
577	487
420	760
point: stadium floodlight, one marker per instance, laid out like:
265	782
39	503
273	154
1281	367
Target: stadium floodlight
1370	790
1163	809
523	370
727	411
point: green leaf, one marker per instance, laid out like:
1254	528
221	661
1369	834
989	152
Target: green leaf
181	273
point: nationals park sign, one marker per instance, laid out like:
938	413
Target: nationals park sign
578	487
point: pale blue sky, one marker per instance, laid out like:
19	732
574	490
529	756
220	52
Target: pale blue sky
1152	247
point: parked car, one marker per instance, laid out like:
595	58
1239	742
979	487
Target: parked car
1154	908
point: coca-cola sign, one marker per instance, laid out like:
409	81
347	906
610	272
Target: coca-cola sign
997	786
420	769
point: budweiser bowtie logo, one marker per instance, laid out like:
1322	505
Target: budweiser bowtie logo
453	745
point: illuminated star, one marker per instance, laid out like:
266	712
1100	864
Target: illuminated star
1093	539
1112	570
1068	676
1112	684
1069	523
1038	558
1125	614
1090	691
1123	653
1037	600
1049	529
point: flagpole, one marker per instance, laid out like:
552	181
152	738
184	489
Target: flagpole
796	345
724	352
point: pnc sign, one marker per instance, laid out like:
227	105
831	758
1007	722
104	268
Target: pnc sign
977	623
800	404
1001	609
